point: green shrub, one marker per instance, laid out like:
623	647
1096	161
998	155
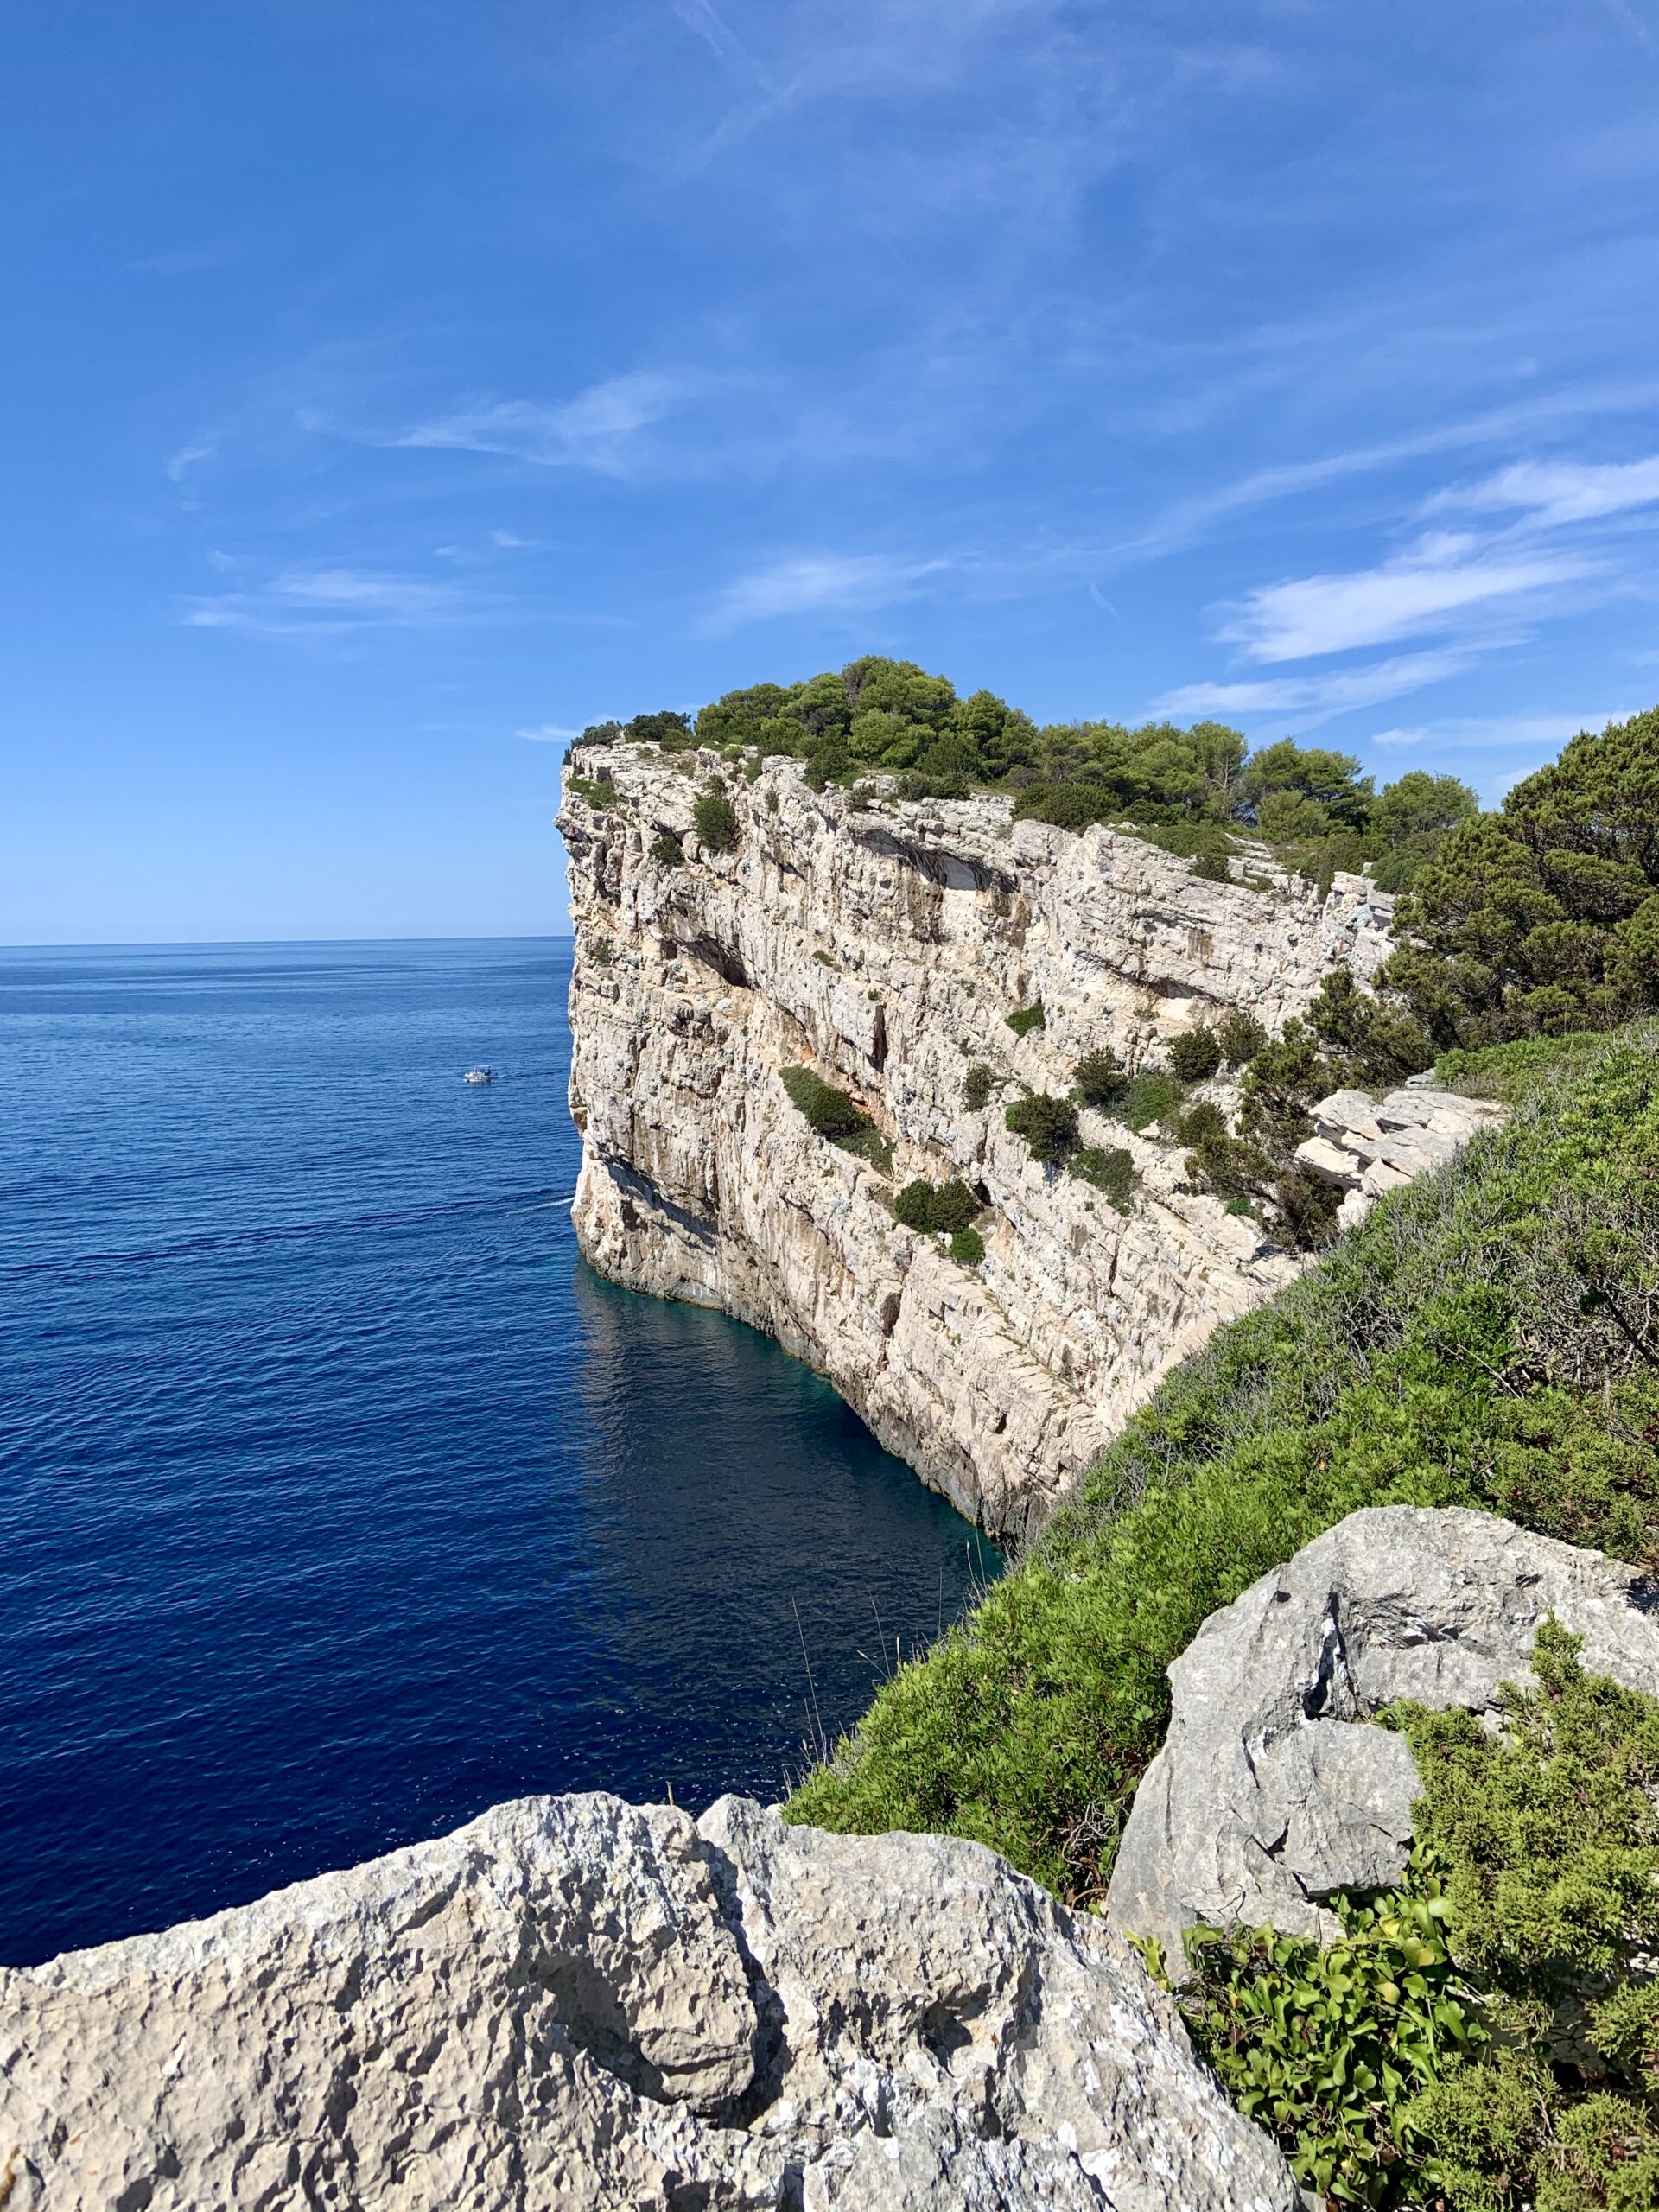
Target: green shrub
1112	1173
666	849
976	1087
1212	867
836	1116
1195	1055
1307	1206
1100	1078
1149	1097
1049	1125
1200	1122
1442	1354
1067	806
968	1246
599	795
715	819
1508	1072
1229	1167
936	1207
1240	1036
1024	1019
1486	2035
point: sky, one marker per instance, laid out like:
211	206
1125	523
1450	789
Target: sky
395	386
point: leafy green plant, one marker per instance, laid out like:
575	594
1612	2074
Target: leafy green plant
1200	1122
599	793
936	1207
715	819
968	1246
1024	1019
1195	1055
837	1116
1048	1125
1151	1096
666	849
976	1087
1112	1173
1325	2049
1100	1078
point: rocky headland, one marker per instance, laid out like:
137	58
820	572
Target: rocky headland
883	945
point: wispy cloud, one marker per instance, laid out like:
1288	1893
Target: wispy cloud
1495	733
597	429
1446	575
326	602
549	733
813	583
1335	692
1551	493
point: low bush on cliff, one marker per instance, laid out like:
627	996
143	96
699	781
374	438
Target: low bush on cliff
1110	1173
837	1116
937	1208
1024	1019
1489	1337
715	819
1485	2037
1049	1125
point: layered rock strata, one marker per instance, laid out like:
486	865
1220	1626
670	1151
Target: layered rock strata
1367	1147
582	2006
1274	1788
883	945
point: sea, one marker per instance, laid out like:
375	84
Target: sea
338	1498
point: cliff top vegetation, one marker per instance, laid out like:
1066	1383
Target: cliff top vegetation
1188	788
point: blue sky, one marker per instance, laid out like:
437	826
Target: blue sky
403	385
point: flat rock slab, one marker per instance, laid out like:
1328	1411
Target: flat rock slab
1273	1789
578	2003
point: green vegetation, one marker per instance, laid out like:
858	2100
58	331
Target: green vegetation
1112	1173
976	1087
1187	790
936	1207
715	819
1487	2035
1024	1019
968	1246
1195	1055
1240	1036
833	1114
1101	1079
1200	1123
667	850
1048	1125
599	793
1148	1097
1486	1338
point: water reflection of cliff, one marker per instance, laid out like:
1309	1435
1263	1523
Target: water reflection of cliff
743	1523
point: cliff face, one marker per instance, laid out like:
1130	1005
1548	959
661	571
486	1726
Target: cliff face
883	945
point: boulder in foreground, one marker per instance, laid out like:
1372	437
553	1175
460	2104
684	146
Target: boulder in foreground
578	2003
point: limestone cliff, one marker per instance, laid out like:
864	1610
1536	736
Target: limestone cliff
883	943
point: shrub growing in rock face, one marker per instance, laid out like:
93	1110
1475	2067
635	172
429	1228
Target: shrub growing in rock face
1240	1037
1048	1125
666	850
1307	1204
1150	1097
832	1113
1195	1055
1100	1078
968	1246
936	1207
1201	1121
976	1088
1024	1019
1111	1172
715	819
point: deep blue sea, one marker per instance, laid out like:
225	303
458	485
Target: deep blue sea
338	1498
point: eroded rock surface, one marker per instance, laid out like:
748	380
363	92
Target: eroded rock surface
576	2003
884	944
1367	1147
1274	1788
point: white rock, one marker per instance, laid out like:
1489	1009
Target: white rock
577	2005
1273	1789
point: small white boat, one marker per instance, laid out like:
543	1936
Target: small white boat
479	1075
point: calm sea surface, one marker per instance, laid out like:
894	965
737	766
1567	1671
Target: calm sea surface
338	1500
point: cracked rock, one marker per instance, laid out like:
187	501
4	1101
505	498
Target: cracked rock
1274	1788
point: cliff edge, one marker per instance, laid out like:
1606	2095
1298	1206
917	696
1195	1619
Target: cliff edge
882	944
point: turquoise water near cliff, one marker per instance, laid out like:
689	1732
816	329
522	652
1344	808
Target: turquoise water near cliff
338	1499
